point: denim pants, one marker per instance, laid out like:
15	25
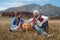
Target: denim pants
41	29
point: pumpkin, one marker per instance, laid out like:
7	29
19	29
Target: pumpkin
26	26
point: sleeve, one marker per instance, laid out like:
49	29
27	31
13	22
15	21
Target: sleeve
12	23
45	17
22	21
30	20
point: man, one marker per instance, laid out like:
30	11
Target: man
16	23
40	22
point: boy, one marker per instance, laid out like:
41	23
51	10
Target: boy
17	22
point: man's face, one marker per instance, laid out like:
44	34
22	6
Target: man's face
35	15
19	16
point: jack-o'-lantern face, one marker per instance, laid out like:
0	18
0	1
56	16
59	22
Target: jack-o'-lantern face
26	26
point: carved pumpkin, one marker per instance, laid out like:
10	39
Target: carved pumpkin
26	26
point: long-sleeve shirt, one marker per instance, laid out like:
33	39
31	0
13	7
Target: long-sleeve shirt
38	22
44	18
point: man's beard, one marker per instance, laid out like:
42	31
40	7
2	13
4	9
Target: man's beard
36	16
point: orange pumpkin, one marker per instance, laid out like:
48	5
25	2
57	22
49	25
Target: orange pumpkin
26	26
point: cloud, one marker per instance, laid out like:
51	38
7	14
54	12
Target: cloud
21	0
16	3
6	5
2	8
27	0
12	4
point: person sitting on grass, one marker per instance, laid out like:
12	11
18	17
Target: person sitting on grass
40	22
16	23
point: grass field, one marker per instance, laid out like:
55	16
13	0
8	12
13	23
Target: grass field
54	26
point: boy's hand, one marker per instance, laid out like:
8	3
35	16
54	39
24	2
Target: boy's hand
17	26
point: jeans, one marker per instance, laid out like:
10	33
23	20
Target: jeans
39	29
14	28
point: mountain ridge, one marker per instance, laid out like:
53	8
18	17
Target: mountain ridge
46	9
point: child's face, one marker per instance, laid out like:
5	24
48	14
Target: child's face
19	16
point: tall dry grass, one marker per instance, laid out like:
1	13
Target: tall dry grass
54	28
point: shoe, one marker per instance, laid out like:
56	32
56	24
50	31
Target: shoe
44	33
9	30
49	35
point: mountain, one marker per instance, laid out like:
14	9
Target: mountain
46	9
50	10
1	12
29	7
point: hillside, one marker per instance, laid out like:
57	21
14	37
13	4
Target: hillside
46	9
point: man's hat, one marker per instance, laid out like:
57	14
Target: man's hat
36	12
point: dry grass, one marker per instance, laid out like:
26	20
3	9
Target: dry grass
54	26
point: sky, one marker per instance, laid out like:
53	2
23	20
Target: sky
5	4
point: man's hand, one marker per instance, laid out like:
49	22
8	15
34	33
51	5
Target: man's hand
32	24
41	25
